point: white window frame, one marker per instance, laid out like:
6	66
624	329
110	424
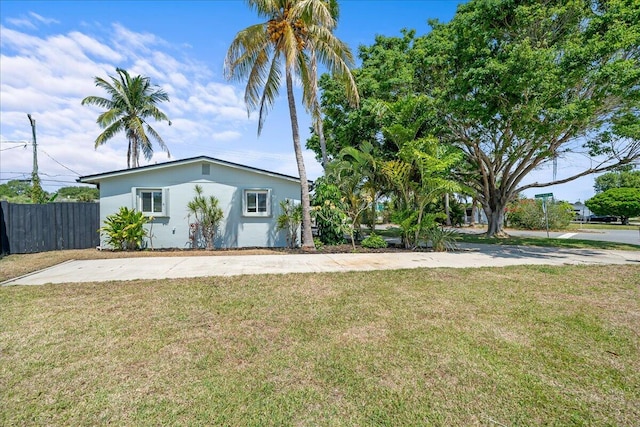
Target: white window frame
247	210
163	210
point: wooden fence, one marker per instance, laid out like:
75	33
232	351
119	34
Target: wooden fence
26	228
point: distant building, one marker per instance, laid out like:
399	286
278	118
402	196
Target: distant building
581	211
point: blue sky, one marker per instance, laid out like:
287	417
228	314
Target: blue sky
52	50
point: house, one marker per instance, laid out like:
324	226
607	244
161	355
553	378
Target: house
249	197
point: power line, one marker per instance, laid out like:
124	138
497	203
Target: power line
11	148
69	169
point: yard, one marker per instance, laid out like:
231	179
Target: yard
508	346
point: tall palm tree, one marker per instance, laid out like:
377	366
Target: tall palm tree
133	100
294	31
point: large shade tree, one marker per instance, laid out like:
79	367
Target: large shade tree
519	85
295	35
131	102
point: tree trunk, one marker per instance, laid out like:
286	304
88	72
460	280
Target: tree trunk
307	236
495	218
447	209
474	211
323	142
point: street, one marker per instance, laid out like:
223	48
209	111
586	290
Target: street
618	236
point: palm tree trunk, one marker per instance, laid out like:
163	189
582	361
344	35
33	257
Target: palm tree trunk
447	209
323	142
307	236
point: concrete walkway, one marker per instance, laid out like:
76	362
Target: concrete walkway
103	270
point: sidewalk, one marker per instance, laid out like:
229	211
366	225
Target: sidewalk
104	270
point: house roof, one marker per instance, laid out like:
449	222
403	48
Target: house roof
95	179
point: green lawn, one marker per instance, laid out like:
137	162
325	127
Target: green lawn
507	346
594	226
543	241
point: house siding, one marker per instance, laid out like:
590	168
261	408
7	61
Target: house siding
226	183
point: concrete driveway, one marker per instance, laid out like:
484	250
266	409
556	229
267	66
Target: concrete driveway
104	270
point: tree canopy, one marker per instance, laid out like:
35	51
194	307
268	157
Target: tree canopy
625	178
514	85
622	202
132	101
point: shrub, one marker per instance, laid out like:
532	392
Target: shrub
329	212
125	230
441	239
528	214
373	241
208	214
318	243
289	221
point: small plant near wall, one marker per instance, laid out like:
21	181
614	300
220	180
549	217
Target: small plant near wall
208	215
125	230
373	241
289	221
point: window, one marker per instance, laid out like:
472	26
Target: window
206	169
151	201
257	203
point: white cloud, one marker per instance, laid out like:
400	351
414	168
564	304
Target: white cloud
44	20
48	76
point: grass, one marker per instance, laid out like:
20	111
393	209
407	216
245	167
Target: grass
543	241
509	346
594	226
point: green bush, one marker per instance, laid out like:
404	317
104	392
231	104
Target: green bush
329	212
318	243
373	241
208	214
441	239
125	230
290	220
528	214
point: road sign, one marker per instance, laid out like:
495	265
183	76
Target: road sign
544	196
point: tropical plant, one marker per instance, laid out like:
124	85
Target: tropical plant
294	32
442	239
329	212
289	221
374	241
132	101
125	230
622	202
208	215
418	177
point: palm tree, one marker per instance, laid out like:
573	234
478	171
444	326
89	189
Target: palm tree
133	100
294	32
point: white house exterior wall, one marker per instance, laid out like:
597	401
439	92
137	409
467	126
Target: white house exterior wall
226	183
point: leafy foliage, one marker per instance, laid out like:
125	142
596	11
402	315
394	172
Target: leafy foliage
81	194
528	214
21	191
622	202
125	230
132	101
374	241
514	85
329	212
441	239
623	178
290	220
208	215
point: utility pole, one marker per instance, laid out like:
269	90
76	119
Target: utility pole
34	173
37	193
